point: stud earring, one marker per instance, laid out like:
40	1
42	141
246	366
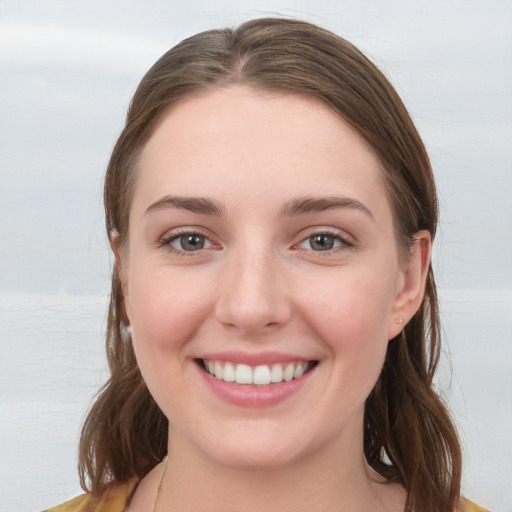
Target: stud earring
399	320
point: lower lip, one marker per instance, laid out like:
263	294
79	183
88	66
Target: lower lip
254	396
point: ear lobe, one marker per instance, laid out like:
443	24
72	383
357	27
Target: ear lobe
411	288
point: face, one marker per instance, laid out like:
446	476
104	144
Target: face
262	279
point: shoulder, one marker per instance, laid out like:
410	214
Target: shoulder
83	503
113	500
469	506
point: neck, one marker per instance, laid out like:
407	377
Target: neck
333	478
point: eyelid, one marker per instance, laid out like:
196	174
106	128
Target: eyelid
177	238
165	241
346	241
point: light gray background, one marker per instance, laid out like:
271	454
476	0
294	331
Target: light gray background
67	72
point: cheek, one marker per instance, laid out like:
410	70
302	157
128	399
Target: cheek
166	309
350	307
352	320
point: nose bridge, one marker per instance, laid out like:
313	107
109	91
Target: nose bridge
252	298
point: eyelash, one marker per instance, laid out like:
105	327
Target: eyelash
345	243
166	242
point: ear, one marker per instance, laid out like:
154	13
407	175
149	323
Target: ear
120	268
411	284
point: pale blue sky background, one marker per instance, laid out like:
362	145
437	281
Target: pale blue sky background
67	71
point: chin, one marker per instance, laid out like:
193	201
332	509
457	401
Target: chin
254	460
252	450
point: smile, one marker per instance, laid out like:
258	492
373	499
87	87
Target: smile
261	375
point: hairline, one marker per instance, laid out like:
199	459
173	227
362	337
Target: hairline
236	80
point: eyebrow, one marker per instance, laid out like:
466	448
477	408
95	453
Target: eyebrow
301	205
311	204
193	204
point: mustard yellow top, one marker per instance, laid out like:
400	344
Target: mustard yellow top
114	500
117	498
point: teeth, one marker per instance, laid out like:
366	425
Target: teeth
288	372
299	371
218	370
228	375
243	374
261	375
276	375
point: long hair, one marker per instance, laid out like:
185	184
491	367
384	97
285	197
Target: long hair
409	436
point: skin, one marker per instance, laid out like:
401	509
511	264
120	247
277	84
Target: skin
258	285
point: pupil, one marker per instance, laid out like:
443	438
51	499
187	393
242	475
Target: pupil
322	242
192	242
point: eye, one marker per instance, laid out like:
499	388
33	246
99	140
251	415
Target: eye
324	242
190	242
186	242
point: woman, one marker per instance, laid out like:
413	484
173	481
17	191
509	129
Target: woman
273	325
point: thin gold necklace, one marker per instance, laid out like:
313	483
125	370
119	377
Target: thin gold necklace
165	460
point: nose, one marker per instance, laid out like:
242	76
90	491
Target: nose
253	297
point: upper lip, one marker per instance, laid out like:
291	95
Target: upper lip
255	359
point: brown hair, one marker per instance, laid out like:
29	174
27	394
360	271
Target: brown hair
409	436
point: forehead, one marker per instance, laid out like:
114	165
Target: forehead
241	142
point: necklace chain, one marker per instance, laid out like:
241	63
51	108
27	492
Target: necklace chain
165	461
159	488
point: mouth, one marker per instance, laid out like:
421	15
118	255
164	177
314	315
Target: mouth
256	376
